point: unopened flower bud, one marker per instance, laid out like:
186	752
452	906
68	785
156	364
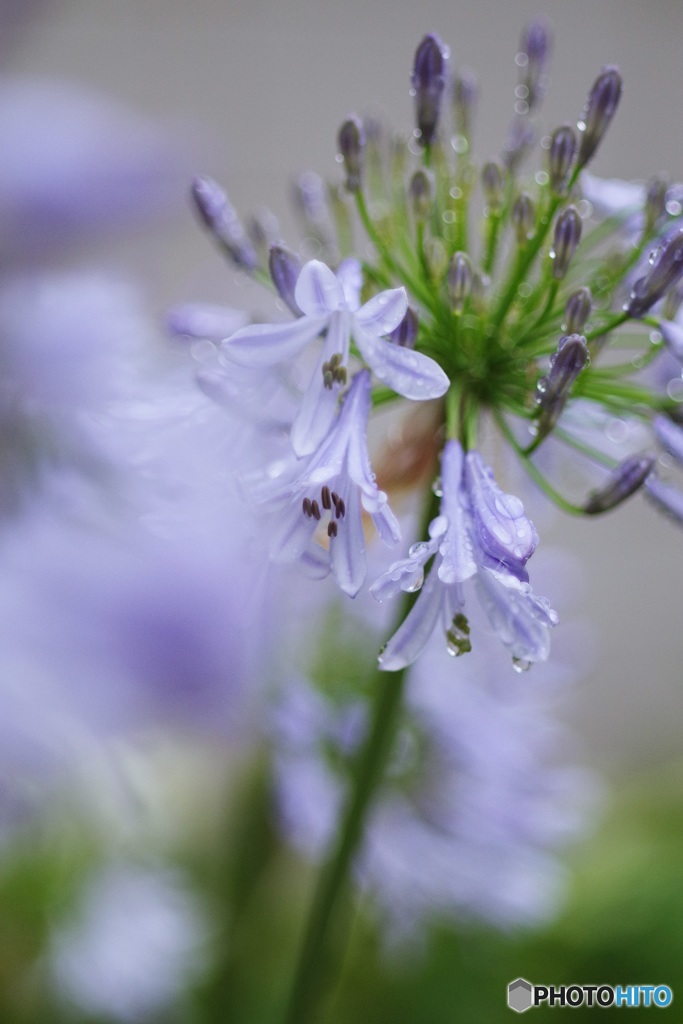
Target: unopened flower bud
600	108
554	389
351	140
629	475
655	203
464	101
220	217
493	184
577	310
422	189
429	81
523	216
567	237
405	334
666	268
459	281
535	47
561	156
285	268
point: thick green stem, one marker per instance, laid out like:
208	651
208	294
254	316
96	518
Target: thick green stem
315	955
314	960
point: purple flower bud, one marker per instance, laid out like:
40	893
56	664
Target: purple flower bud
577	310
561	156
459	280
422	189
535	47
285	268
220	217
523	216
567	237
464	100
429	81
629	475
554	389
405	334
493	183
666	268
351	141
600	108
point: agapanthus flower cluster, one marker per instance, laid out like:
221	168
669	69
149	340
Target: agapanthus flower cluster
521	306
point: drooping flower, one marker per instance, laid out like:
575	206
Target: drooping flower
481	534
334	484
329	302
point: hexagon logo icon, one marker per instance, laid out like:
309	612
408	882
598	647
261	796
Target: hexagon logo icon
520	995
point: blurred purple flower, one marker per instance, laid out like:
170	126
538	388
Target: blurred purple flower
137	941
75	164
480	793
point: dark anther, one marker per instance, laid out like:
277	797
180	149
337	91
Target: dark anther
325	497
331	528
315	509
306	505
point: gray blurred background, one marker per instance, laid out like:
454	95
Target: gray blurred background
256	92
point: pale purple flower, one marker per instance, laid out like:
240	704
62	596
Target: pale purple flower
74	163
329	302
481	534
138	939
332	486
477	797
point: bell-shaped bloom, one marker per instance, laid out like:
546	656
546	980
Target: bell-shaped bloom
330	303
327	492
481	534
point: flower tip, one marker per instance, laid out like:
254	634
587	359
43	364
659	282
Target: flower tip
429	81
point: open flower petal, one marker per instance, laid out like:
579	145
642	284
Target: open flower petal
383	313
408	373
318	291
412	636
267	344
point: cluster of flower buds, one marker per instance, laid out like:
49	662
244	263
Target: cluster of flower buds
508	324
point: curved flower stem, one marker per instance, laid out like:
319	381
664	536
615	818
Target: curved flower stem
315	954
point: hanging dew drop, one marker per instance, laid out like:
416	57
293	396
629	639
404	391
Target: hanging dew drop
415	584
521	665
